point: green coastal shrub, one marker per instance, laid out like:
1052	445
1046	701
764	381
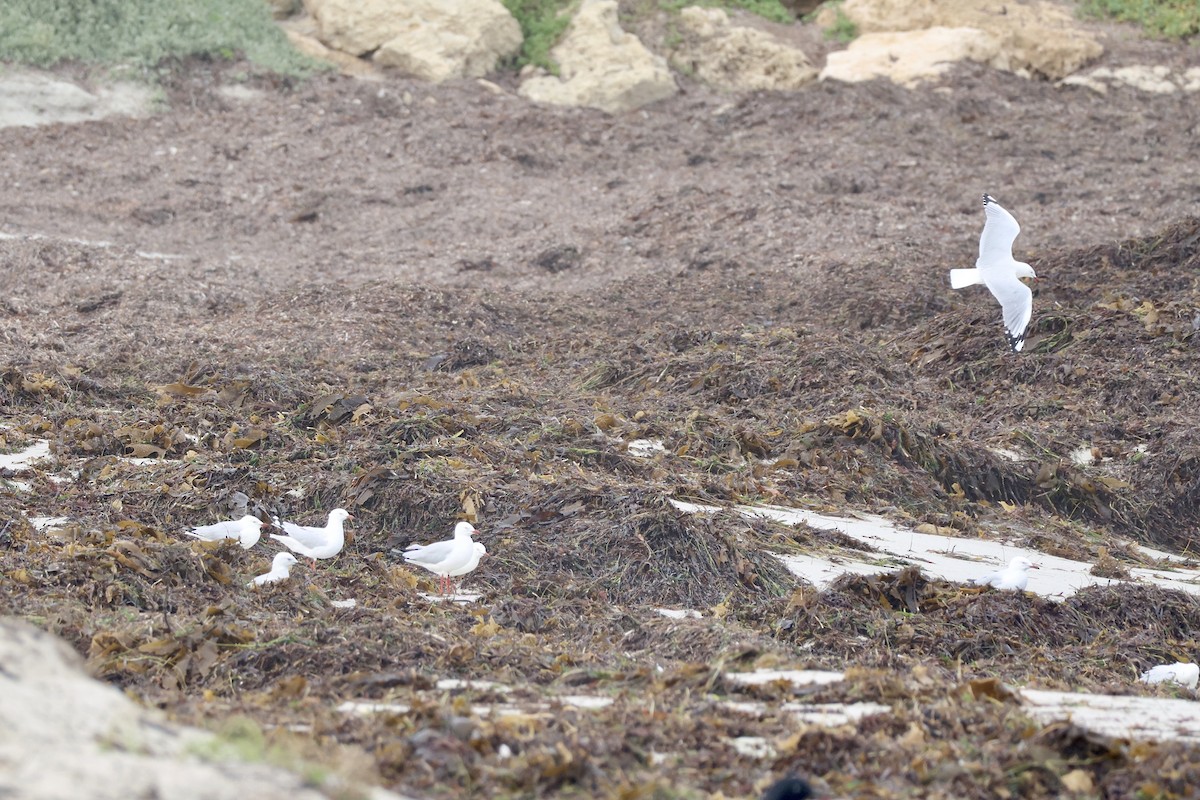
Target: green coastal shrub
1170	19
543	21
143	33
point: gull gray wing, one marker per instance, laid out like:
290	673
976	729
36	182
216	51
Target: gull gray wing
429	553
986	580
294	544
218	530
309	537
999	232
1016	300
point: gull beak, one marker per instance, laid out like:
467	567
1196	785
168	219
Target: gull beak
1035	566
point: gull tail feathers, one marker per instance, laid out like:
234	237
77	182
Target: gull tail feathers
294	545
960	278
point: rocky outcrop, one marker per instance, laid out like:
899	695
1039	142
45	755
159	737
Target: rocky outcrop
63	734
1032	38
29	97
908	57
734	57
434	40
1155	80
601	66
302	33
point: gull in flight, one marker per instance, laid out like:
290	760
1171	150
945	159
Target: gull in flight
281	570
315	543
999	272
246	530
1015	576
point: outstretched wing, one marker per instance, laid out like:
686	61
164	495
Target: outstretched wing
999	232
1016	301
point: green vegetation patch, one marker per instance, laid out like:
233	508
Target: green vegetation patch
542	23
144	33
767	9
1172	19
843	29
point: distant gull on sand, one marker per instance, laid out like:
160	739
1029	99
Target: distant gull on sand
281	570
246	530
1180	672
445	558
1014	576
315	543
996	269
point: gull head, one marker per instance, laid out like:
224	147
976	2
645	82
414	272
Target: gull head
340	515
249	530
1023	564
283	561
464	528
1025	271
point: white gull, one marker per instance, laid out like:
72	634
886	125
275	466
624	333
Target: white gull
1015	576
1180	672
281	570
446	557
996	269
315	543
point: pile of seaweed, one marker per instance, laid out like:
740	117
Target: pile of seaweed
564	430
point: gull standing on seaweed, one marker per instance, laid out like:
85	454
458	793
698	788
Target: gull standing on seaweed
1015	576
996	269
246	530
314	543
445	558
281	570
1181	672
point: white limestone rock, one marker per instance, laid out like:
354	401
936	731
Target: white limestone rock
601	66
734	57
1031	38
64	734
908	57
434	40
